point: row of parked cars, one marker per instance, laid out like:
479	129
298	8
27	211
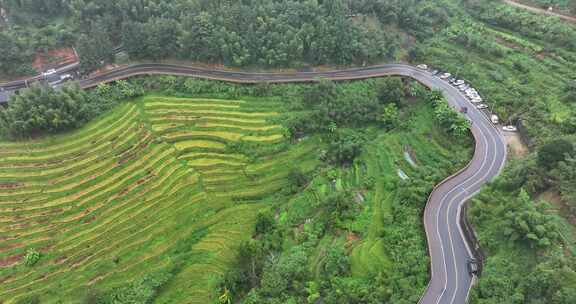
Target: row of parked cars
470	92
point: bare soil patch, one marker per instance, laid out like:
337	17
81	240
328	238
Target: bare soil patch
54	58
5	248
11	260
515	144
11	185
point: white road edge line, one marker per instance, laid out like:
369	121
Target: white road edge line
438	221
480	181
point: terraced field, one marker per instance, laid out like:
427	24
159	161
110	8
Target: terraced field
162	183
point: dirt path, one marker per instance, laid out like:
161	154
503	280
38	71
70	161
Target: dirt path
515	144
541	11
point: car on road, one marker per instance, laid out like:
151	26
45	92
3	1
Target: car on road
476	99
445	76
464	110
422	66
482	106
459	82
510	128
435	72
473	267
463	87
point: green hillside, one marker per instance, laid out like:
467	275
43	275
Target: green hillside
152	186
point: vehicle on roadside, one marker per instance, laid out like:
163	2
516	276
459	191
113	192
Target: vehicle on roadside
495	119
464	110
49	72
66	77
473	267
451	80
435	72
473	95
463	87
510	128
422	66
476	100
459	82
445	76
482	106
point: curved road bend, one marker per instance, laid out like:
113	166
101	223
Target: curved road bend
450	281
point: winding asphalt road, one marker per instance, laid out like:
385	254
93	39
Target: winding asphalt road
450	281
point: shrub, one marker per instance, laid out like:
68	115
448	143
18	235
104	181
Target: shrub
453	121
141	291
345	146
264	222
29	300
553	152
31	258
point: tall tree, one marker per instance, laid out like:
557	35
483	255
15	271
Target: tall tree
95	48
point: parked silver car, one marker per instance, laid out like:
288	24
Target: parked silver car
510	128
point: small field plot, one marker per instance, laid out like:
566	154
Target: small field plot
163	184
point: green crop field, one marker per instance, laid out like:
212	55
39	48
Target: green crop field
156	184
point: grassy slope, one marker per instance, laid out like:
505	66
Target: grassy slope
368	236
119	198
383	158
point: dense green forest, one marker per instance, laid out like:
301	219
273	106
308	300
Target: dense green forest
235	33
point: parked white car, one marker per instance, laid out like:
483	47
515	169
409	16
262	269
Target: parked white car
459	82
422	66
510	128
495	119
66	77
482	106
445	76
472	95
477	100
49	72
